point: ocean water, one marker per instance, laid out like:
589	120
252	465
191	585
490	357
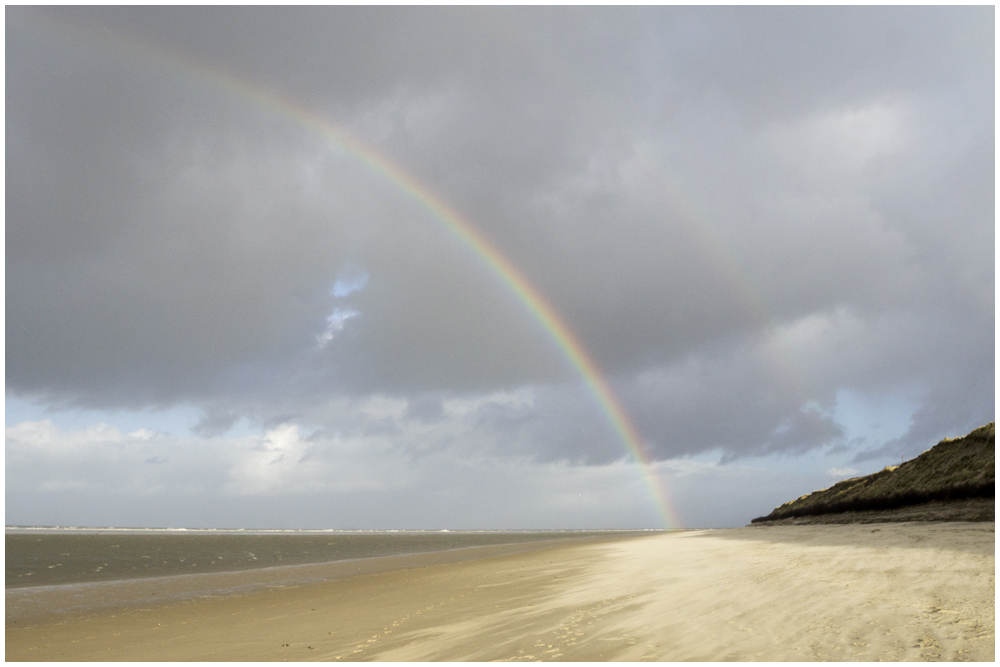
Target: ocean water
46	557
60	571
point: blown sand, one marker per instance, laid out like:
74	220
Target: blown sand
899	591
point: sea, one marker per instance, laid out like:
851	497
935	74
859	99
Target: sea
47	556
63	569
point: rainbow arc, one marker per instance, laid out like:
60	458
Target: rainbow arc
461	227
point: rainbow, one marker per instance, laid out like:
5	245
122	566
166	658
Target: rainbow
455	222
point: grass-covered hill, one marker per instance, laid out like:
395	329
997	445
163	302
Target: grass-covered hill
955	478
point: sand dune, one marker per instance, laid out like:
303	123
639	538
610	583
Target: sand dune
901	591
953	481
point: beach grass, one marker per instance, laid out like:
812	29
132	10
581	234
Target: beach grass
958	469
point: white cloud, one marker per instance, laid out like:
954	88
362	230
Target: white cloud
272	464
282	462
46	436
444	478
839	143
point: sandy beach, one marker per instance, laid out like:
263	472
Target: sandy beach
899	591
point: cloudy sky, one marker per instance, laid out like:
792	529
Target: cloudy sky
771	230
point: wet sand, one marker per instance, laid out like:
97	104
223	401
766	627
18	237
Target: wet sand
45	557
900	591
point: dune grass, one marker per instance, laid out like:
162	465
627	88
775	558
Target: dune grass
954	469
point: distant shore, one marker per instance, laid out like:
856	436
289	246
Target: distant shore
895	591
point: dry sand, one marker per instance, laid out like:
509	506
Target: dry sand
900	591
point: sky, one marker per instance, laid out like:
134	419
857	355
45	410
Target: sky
249	279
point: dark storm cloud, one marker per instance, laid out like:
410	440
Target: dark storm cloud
687	186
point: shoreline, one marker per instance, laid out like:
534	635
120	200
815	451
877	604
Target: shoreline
897	591
72	557
37	602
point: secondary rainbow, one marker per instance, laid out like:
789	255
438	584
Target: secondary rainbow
461	227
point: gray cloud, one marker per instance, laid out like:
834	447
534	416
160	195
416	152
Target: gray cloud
740	212
100	476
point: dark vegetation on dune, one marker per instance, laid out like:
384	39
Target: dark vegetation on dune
953	470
